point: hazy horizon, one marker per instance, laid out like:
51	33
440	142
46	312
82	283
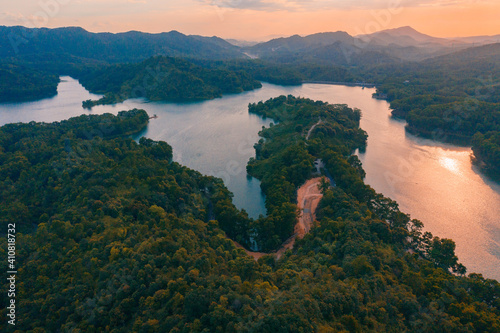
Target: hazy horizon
258	20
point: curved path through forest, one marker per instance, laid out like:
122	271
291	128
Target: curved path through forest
312	128
308	197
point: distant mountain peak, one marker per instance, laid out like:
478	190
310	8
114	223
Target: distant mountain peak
70	28
297	43
330	33
406	28
407	31
175	32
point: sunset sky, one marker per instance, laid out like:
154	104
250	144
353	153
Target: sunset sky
259	19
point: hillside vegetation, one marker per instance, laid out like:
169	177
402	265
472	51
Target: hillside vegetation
113	236
18	83
162	79
132	46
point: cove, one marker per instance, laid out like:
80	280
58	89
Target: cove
433	182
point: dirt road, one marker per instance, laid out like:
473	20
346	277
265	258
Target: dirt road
308	197
312	128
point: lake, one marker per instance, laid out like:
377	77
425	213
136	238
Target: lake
433	182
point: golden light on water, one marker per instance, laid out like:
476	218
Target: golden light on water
450	164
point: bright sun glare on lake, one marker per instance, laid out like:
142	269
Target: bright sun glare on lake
450	164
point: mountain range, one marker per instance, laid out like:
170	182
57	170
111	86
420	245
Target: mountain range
338	48
401	44
121	47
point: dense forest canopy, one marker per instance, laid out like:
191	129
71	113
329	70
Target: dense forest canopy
114	236
162	79
211	78
284	158
283	74
19	83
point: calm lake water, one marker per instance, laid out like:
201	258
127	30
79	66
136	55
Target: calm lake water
433	182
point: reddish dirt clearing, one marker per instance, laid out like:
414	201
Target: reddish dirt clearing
308	198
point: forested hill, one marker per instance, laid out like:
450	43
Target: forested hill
121	47
18	83
115	237
162	79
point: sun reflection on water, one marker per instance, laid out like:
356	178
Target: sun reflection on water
450	164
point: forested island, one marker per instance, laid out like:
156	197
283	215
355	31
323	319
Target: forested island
115	236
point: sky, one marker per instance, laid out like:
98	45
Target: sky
258	20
